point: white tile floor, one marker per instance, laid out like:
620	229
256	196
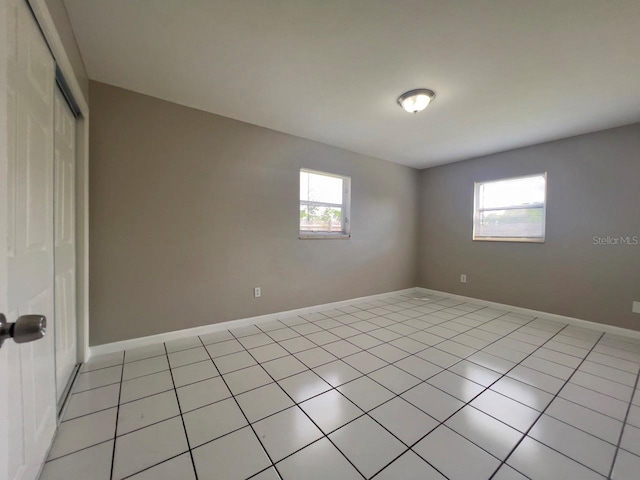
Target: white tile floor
399	388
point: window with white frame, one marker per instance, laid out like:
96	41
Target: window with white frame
324	205
511	209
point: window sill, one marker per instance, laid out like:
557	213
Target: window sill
324	236
509	239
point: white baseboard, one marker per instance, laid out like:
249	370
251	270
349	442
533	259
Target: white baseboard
600	327
243	322
217	327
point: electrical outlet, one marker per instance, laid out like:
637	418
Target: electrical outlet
257	292
635	308
463	278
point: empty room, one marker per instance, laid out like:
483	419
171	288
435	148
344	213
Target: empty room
306	239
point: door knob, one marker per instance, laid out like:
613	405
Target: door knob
26	329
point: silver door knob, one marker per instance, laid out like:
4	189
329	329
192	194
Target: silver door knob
26	329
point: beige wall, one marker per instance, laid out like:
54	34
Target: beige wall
189	211
62	23
593	190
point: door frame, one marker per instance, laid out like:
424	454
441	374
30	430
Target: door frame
52	37
4	162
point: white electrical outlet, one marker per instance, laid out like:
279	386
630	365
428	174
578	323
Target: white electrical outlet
257	292
635	308
463	278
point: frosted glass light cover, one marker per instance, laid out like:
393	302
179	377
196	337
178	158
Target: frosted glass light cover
415	101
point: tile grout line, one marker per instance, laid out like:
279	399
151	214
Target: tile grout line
619	349
119	436
155	464
296	404
489	320
439	343
184	427
526	434
101	386
234	430
468	403
397	322
425	349
243	414
341	359
284	326
80	449
366	413
101	368
578	428
409	354
582	386
484	388
451	339
624	424
115	428
309	322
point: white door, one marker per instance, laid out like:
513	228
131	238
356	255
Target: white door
65	245
28	419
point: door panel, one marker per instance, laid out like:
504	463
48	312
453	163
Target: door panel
30	418
12	114
35	136
65	245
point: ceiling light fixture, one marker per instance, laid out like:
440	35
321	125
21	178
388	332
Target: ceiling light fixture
415	101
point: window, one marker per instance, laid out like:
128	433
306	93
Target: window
511	209
324	205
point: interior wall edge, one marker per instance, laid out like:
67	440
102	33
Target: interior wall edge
189	211
119	346
241	322
578	322
579	271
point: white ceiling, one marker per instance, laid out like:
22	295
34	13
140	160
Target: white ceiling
507	73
